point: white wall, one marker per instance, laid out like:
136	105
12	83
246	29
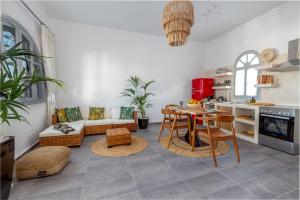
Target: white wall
271	30
26	134
96	62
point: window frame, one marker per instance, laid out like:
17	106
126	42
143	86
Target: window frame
20	32
246	67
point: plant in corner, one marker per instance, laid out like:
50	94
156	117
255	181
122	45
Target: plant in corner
139	95
14	82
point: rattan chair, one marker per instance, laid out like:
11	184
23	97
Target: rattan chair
215	134
171	121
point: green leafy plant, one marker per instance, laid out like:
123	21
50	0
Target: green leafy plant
14	82
138	94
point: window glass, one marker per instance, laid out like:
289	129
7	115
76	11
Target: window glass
240	82
251	81
13	33
246	75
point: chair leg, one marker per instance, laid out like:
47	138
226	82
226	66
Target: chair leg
193	140
211	143
161	130
236	150
177	133
170	138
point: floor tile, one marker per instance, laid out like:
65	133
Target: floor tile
156	178
290	195
146	154
243	172
193	170
183	161
234	192
290	175
55	184
146	166
108	189
127	196
69	194
176	190
19	188
100	162
208	183
270	164
108	173
267	187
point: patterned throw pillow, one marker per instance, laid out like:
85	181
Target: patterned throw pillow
96	113
126	113
61	115
73	114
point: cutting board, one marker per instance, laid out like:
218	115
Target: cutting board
262	104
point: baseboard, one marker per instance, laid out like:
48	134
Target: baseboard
27	150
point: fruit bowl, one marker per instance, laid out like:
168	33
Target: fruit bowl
195	106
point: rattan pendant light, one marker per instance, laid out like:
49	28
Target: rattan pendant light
178	18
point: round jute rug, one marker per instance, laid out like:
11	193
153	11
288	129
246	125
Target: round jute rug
138	144
180	147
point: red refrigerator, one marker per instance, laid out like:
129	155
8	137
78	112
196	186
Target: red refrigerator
202	88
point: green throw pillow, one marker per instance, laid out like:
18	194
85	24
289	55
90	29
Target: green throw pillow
96	113
73	114
126	113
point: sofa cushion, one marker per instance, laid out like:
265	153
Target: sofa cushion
73	114
96	113
126	112
122	121
97	122
115	112
61	115
49	132
42	161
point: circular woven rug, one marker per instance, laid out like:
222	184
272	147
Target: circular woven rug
138	144
180	147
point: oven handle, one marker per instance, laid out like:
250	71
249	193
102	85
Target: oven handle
274	116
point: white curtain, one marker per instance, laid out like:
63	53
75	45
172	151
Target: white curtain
48	51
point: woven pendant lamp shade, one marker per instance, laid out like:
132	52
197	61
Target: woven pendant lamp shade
178	18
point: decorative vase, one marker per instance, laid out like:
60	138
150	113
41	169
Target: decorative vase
143	123
7	147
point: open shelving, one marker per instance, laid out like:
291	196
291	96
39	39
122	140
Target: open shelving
224	74
267	85
221	87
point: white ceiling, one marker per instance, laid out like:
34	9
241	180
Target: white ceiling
145	16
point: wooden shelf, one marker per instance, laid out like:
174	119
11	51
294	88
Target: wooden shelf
224	74
268	85
245	121
245	137
221	87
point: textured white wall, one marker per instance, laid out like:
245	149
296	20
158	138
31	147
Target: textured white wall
26	134
96	62
272	30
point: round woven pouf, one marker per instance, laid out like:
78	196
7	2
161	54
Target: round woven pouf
138	144
180	147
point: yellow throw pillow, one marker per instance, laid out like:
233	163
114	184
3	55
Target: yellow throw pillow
96	113
61	115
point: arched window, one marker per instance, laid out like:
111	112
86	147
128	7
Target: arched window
246	75
12	33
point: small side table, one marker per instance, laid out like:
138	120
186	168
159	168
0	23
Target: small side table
118	136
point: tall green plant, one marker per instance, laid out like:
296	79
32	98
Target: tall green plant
14	82
138	94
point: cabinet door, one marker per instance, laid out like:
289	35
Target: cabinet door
196	84
207	87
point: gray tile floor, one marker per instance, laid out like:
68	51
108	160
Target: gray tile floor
263	173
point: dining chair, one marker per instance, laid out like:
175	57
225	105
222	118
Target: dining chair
216	134
171	121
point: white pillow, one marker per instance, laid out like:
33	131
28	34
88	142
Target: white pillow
115	112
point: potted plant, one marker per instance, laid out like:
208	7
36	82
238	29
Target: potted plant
13	84
140	98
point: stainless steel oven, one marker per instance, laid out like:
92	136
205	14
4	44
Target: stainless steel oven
279	128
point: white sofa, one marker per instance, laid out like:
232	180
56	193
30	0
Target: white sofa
86	127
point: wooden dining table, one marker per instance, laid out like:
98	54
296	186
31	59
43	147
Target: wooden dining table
196	112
